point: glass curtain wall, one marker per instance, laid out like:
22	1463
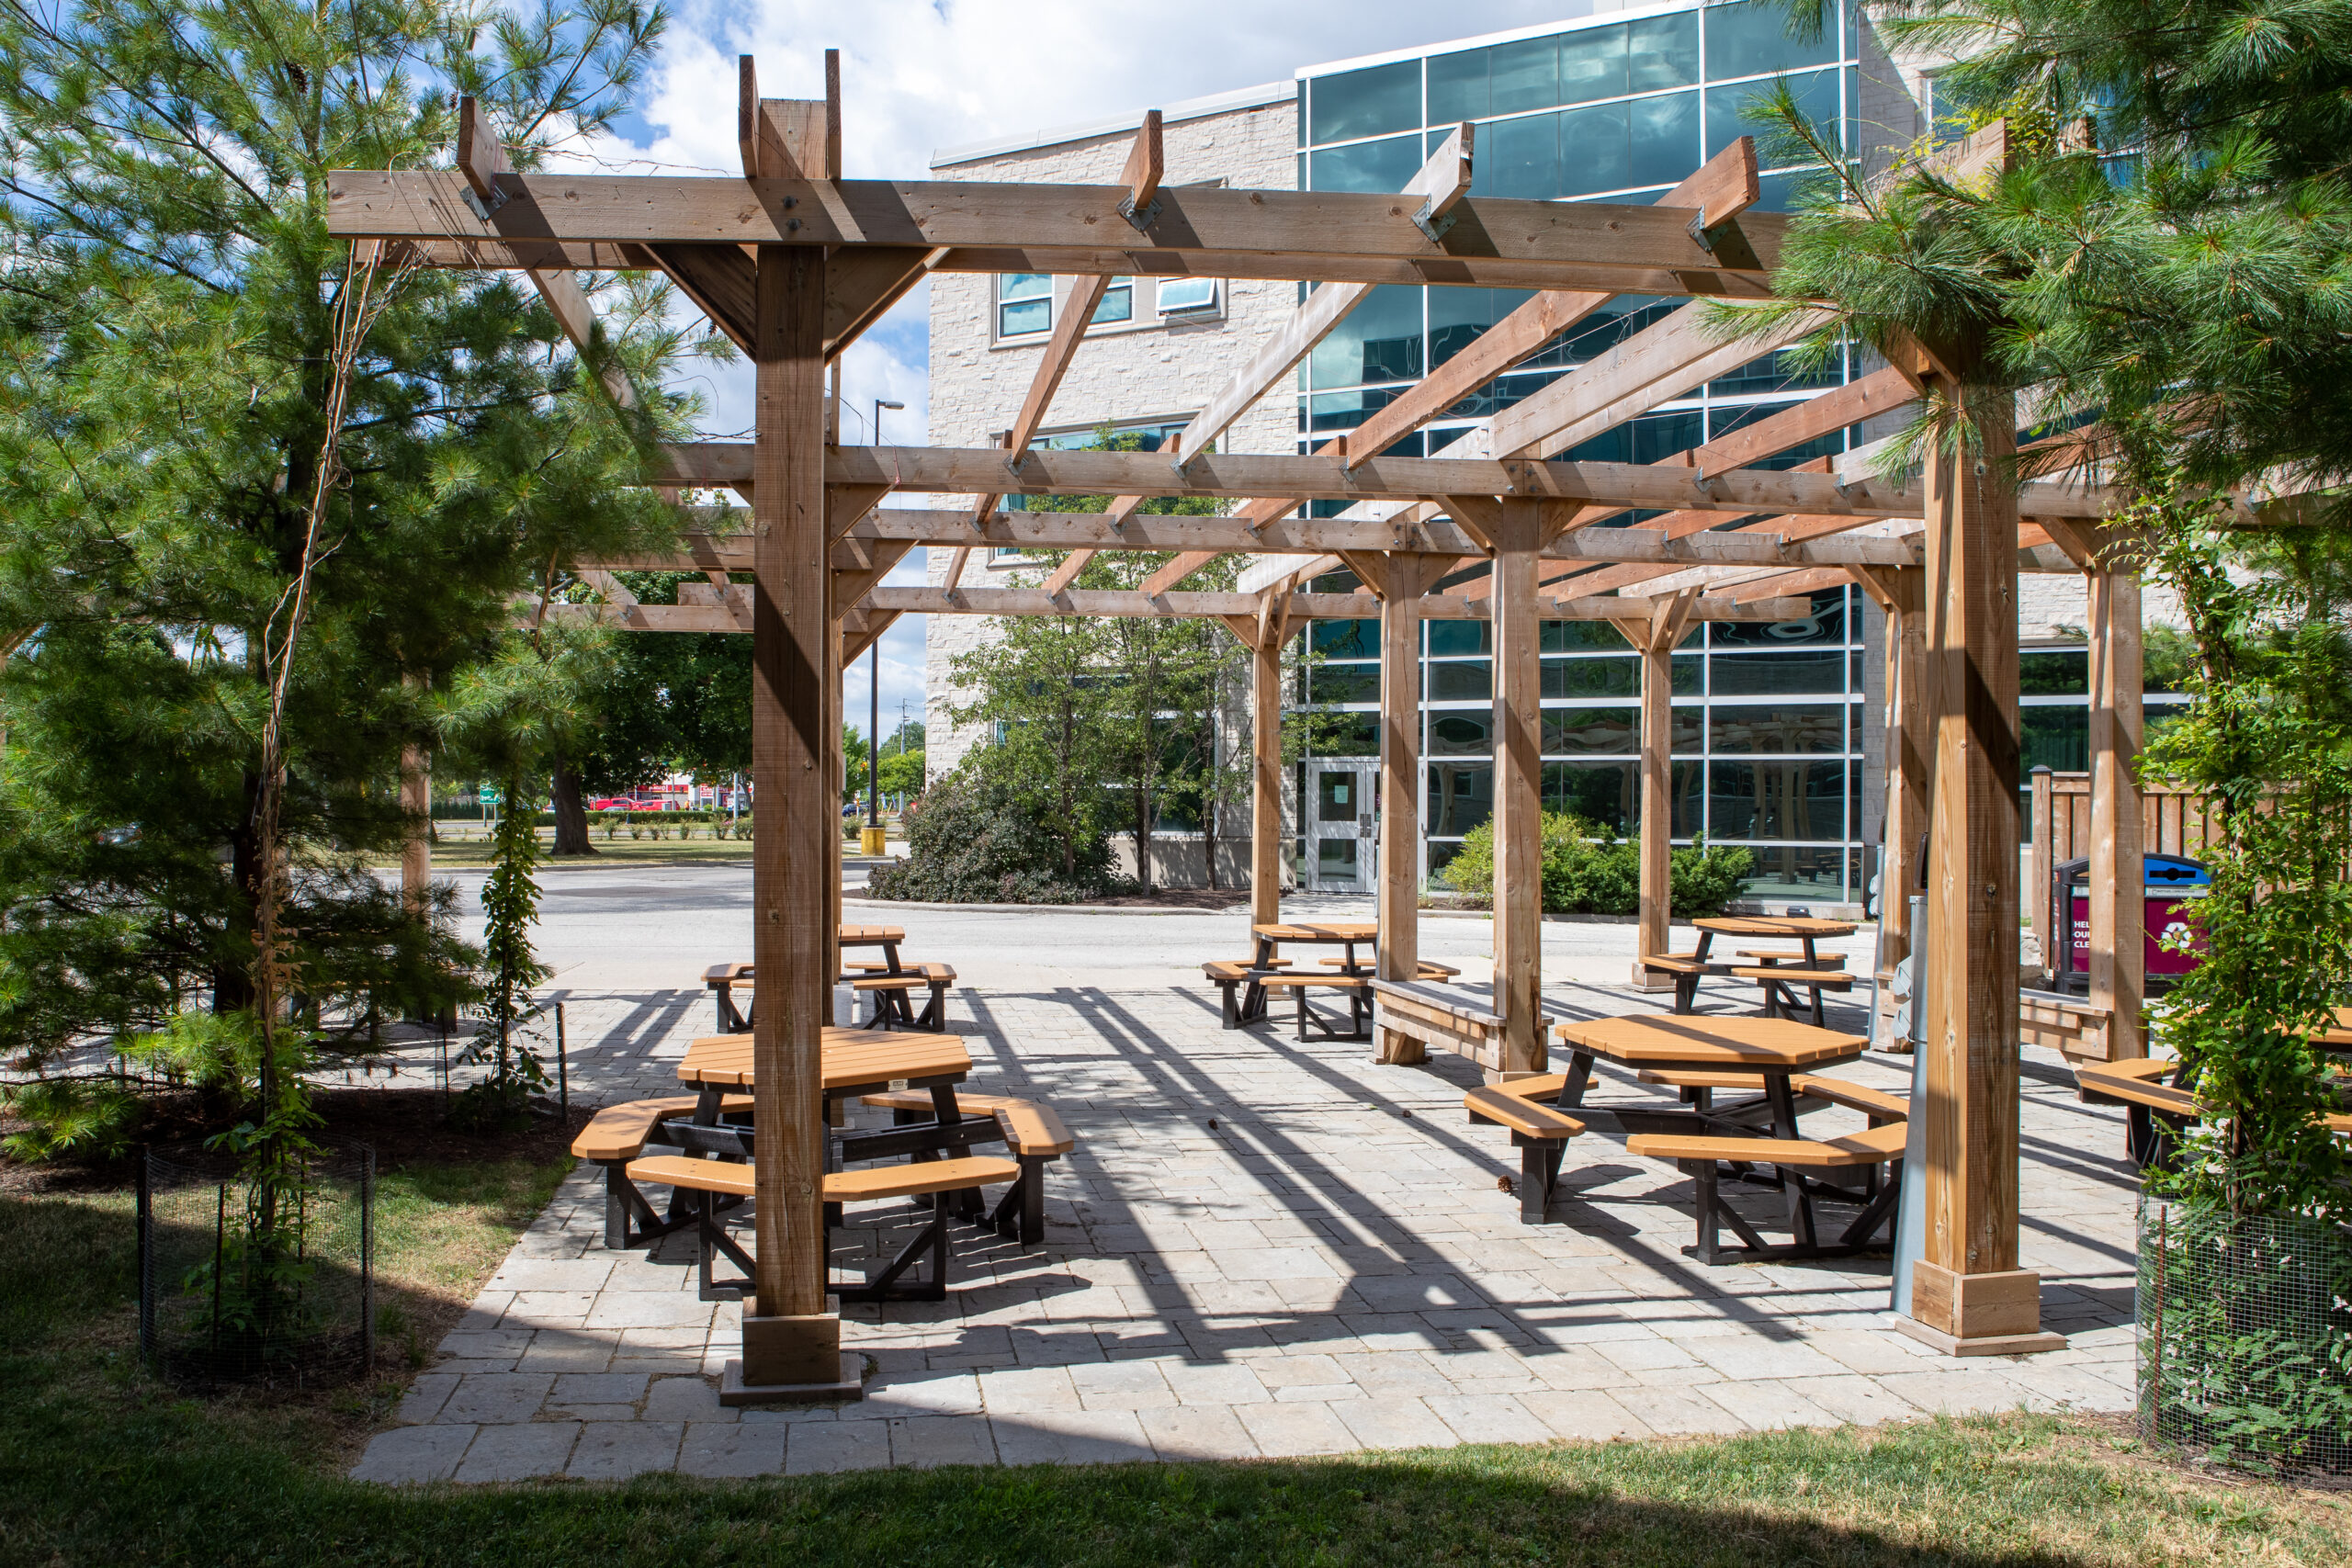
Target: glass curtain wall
1766	746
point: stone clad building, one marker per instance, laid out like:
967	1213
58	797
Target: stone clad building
1777	729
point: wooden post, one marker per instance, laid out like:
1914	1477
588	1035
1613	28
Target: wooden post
1265	777
1654	640
1400	768
789	1338
2036	892
1908	739
2118	956
1519	790
1967	1290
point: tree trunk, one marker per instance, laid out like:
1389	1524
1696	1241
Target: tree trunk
1143	838
570	808
232	980
1208	805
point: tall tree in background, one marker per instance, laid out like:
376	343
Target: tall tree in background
166	321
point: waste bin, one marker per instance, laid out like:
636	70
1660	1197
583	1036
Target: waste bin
2171	882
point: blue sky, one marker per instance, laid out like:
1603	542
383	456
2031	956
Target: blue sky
921	75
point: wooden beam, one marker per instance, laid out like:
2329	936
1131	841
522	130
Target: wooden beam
1266	773
788	1336
2118	956
1178	570
971	471
1146	165
1654	635
862	282
1967	1285
1331	235
861	629
1518	788
1062	576
721	280
1441	182
482	159
1909	736
1397	897
788	138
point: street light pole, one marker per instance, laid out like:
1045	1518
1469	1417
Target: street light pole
871	840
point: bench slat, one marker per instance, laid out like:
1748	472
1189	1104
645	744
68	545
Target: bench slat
1495	1102
914	1180
618	1132
1826	979
1029	1128
1876	1146
1673	962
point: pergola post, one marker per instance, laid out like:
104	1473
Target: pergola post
1519	790
1655	639
789	1338
1399	898
2119	956
1908	739
1968	1293
1266	774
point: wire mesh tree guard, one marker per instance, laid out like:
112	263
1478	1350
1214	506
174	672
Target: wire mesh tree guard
2246	1338
239	1283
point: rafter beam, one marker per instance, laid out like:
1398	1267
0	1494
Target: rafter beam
1319	235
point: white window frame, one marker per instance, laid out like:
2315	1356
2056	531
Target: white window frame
1213	305
1050	299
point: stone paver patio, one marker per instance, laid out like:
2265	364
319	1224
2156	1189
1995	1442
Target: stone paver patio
1258	1247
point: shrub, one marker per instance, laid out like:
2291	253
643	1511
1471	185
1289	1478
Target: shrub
1585	875
71	1116
970	841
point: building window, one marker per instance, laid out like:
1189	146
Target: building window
1024	304
1186	296
1118	302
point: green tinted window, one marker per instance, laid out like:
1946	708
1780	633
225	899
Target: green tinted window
1773	674
1665	148
1458	87
1460	681
1606	795
1826	624
1519	158
1731	112
1564	637
2054	738
1523	76
1380	341
1343	683
1592	64
1662	51
1344	639
1380	166
1596	153
1452	638
1776	800
1462	796
1743	40
1373	102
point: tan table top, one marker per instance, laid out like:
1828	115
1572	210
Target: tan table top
1712	1041
1320	930
1773	925
851	1057
872	936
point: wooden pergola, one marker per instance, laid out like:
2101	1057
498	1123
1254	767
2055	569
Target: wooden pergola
792	262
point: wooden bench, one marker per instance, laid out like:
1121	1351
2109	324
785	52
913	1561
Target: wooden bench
1763	955
1779	987
1539	1133
1231	975
1878	1105
1794	1157
938	1180
1411	1014
1031	1133
722	979
891	1000
618	1134
1358	992
1686	969
1423	969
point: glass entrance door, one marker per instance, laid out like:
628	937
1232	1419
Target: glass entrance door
1343	826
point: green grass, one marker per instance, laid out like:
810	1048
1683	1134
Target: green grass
99	1466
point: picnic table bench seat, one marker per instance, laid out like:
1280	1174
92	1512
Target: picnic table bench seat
1539	1133
1697	1155
1773	955
1030	1132
620	1134
1877	1104
1359	991
937	1179
1779	986
893	1000
1686	969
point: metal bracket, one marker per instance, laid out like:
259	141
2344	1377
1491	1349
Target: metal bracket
1697	230
1142	222
1432	227
483	210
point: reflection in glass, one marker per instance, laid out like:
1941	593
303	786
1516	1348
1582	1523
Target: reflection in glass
1461	735
1462	796
2058	738
1780	729
1746	39
1592	65
1519	158
1452	638
1371	102
1775	674
1461	680
1457	86
1665	138
1594	150
1729	115
1338	796
1379	166
1523	76
1662	51
1380	341
2059	673
1344	639
1344	683
1825	624
1606	795
1573	678
1592	733
1776	800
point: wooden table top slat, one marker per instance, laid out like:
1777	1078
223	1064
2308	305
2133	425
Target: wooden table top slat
1773	925
1320	930
1757	1045
851	1056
